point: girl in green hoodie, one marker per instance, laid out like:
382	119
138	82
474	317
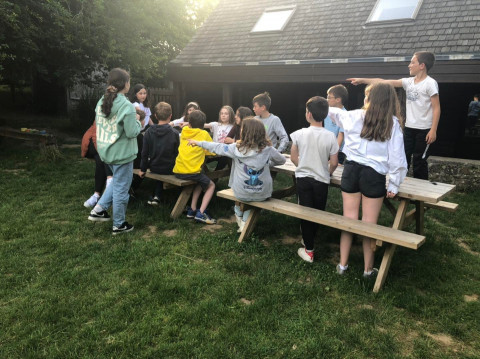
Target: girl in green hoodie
117	130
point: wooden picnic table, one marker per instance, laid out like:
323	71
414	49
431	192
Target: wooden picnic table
421	193
187	186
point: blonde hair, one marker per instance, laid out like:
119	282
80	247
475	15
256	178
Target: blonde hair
252	135
380	107
231	114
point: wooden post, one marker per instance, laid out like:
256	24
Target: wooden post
419	217
182	201
390	250
227	95
250	224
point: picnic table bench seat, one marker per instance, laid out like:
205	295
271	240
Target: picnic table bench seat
187	186
374	231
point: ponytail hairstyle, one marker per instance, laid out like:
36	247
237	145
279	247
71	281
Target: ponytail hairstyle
117	79
253	135
381	104
137	88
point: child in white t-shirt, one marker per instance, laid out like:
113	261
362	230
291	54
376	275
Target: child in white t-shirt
422	107
312	149
220	131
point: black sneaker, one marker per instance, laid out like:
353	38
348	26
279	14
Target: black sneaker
99	216
155	201
124	228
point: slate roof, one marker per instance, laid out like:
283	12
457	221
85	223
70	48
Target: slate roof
331	29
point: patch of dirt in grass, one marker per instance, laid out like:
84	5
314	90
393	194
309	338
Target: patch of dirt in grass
443	339
470	298
212	227
170	232
151	231
265	243
306	280
286	241
228	220
407	341
70	146
15	172
366	306
467	248
246	301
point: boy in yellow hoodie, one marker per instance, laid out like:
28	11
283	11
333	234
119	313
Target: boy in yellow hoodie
188	166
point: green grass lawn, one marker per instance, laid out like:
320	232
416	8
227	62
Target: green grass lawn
176	289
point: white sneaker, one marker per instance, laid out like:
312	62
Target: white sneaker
306	256
241	226
91	202
340	270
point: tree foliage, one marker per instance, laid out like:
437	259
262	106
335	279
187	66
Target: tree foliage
63	41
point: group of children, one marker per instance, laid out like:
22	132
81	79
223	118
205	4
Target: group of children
370	142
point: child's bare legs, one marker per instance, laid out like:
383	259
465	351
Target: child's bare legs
370	210
195	195
207	196
351	206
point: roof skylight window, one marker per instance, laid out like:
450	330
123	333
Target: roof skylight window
394	11
273	19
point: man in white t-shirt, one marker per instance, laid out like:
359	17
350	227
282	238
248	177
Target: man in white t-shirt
312	148
423	110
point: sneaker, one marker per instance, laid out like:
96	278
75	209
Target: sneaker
306	256
99	216
91	202
124	228
191	212
340	270
371	275
240	228
204	218
155	201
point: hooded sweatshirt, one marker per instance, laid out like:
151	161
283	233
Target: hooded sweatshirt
190	159
160	148
250	177
117	133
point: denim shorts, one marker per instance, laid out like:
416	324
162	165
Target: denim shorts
360	178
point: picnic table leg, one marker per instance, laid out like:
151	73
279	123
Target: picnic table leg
419	217
182	201
250	224
390	250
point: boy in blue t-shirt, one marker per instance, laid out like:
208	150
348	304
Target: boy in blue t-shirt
337	96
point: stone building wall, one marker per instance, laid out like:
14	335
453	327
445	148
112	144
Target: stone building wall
463	173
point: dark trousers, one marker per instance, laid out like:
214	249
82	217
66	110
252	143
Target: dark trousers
415	145
101	169
311	193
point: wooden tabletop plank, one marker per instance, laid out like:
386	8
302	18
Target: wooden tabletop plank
412	188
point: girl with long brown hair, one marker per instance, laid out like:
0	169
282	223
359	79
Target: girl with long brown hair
251	156
374	148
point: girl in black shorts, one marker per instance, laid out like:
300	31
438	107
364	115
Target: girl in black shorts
374	147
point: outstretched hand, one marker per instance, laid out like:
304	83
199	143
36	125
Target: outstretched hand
192	143
355	81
